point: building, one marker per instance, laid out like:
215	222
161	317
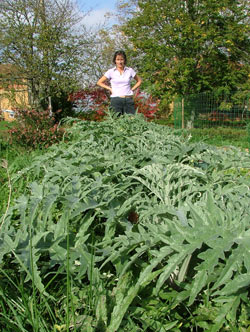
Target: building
13	91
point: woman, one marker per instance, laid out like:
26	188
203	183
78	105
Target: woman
120	77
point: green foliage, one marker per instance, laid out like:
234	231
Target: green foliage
187	47
13	158
5	126
43	41
70	241
248	133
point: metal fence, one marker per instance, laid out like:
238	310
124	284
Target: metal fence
206	110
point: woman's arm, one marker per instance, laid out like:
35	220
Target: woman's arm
102	84
138	82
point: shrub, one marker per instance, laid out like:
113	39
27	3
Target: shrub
92	104
35	129
146	104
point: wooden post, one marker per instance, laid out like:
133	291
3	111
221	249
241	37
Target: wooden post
182	114
50	106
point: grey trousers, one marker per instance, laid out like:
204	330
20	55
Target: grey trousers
123	105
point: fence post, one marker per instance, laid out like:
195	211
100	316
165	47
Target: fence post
50	106
182	114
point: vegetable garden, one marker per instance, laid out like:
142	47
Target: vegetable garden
127	226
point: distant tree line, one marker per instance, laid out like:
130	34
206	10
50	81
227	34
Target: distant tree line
178	47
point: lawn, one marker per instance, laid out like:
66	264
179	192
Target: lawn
218	136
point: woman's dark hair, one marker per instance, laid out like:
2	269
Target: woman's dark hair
122	53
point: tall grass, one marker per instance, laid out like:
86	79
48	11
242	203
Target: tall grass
13	159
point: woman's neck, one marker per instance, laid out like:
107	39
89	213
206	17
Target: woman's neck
120	69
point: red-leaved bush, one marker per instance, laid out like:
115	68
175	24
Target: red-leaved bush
92	104
35	129
146	104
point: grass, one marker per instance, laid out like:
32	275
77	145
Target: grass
221	136
218	136
13	158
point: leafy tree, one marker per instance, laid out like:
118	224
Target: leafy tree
99	59
189	46
45	40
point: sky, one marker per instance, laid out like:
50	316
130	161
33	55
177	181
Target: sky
98	9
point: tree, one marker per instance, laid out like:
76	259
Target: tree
99	55
45	40
189	46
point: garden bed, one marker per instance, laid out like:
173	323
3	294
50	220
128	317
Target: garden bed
73	258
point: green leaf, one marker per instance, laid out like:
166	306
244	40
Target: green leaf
238	283
200	280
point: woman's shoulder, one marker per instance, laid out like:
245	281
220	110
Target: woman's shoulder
131	70
109	71
112	69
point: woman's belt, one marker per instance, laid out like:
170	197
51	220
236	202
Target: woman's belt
131	96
